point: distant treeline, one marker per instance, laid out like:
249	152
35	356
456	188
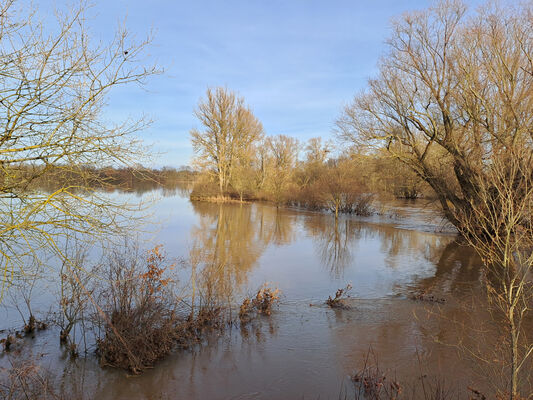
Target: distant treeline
107	178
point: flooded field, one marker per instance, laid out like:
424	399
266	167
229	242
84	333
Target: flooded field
305	349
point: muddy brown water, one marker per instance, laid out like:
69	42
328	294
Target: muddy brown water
306	350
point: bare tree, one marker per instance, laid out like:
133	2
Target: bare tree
316	151
500	228
53	89
454	94
342	189
230	130
283	154
316	155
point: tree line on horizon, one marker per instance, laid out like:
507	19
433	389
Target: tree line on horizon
126	178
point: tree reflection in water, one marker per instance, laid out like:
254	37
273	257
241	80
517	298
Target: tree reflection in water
335	241
228	241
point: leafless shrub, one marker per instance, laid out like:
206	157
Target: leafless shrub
139	316
22	296
261	303
8	341
76	291
361	204
373	383
204	189
340	296
206	320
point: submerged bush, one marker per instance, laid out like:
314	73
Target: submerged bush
204	189
361	205
140	318
370	382
340	296
261	303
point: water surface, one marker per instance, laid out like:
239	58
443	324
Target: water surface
305	349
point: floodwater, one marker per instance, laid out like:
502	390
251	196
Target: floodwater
305	350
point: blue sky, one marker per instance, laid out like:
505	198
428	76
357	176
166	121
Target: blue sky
296	62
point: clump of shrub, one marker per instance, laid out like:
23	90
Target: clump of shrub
361	205
372	383
77	288
140	318
209	317
8	341
29	329
339	301
33	324
261	303
204	189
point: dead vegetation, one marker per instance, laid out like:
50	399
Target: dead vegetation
33	325
139	313
25	379
339	301
8	341
372	383
139	317
427	297
261	303
76	289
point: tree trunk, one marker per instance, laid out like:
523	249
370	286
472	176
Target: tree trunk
514	357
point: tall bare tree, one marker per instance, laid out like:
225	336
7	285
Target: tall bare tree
54	84
316	155
500	228
453	95
283	156
230	130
